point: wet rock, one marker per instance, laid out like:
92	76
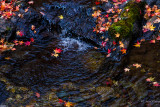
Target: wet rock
130	23
105	92
93	60
7	30
50	98
153	2
69	86
5	68
3	93
77	18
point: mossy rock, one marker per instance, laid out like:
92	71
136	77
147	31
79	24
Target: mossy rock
125	26
122	27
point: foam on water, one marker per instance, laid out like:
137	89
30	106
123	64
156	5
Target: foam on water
73	44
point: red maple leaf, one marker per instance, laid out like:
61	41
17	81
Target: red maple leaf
114	43
109	51
97	3
32	39
57	50
60	101
138	1
107	15
156	84
27	43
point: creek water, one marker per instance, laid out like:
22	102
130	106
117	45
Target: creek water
74	75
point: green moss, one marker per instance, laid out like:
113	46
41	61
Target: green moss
122	27
125	26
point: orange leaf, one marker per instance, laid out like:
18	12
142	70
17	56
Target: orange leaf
123	51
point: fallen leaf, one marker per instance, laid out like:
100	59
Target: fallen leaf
33	27
60	17
13	49
123	51
137	44
117	35
15	41
126	69
27	43
30	2
104	0
20	15
107	15
7	58
142	40
21	42
152	41
20	33
68	104
3	4
137	65
114	43
32	39
108	55
42	13
103	44
156	84
152	28
2	40
158	38
60	101
115	82
96	13
150	79
97	3
114	49
37	95
138	1
57	50
26	10
109	51
121	44
35	31
95	48
54	54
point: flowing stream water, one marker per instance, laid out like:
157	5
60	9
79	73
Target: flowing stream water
73	76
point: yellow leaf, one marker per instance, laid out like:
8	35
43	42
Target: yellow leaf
137	45
56	55
2	40
152	28
151	78
117	35
60	17
69	104
121	44
7	58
